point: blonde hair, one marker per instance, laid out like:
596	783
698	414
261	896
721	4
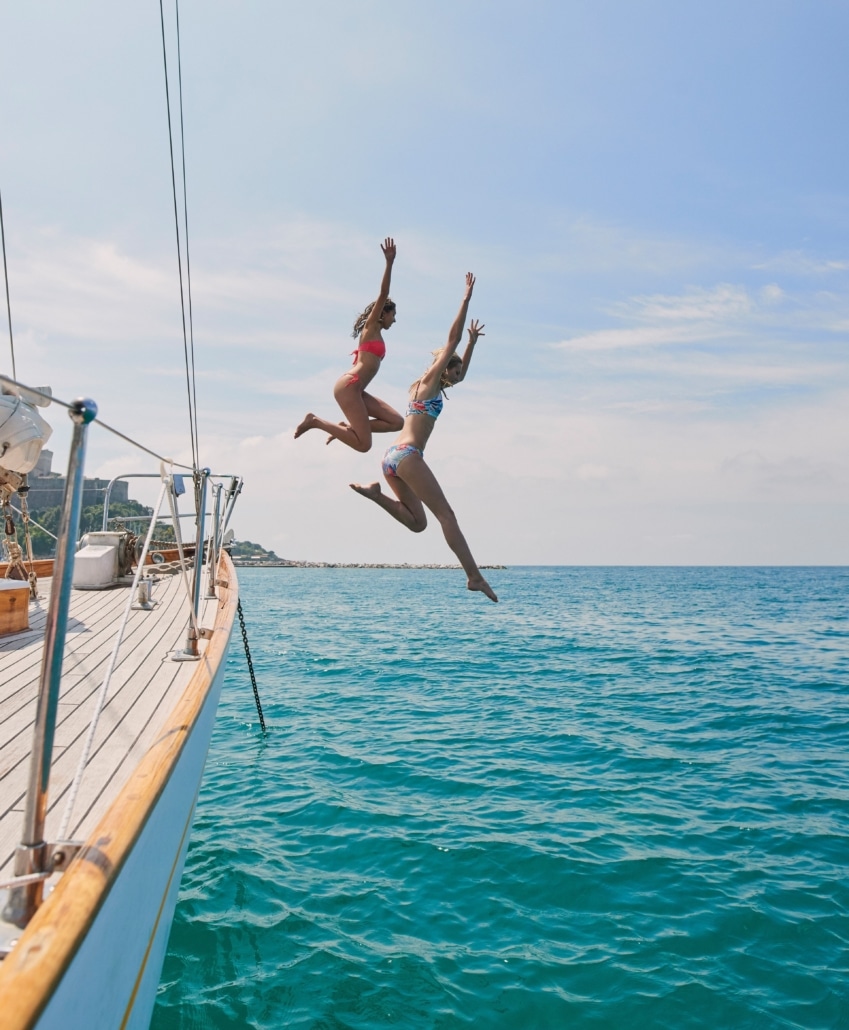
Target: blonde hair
444	381
362	318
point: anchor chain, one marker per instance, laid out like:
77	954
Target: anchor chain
250	665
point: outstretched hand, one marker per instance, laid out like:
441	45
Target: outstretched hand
475	330
470	285
388	248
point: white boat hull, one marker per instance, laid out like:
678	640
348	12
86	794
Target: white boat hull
93	953
114	975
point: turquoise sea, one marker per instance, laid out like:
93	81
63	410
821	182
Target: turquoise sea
619	798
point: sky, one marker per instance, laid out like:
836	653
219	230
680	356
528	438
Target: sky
653	196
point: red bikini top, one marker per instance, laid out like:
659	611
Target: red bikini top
376	347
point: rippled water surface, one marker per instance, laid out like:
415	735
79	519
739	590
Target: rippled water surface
619	798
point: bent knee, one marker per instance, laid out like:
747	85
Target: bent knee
363	446
419	526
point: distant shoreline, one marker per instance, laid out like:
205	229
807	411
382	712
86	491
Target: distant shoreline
241	563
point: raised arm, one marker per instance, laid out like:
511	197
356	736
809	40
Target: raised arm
371	326
455	334
475	331
432	377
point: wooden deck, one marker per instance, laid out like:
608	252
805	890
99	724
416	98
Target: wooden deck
144	688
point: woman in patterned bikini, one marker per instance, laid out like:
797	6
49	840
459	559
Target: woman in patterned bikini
365	413
404	468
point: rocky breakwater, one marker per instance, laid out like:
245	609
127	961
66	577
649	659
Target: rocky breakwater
284	563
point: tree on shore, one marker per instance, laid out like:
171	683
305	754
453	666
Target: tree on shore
246	549
91	520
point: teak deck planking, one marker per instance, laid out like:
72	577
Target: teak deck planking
145	686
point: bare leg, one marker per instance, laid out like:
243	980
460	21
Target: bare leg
356	432
337	431
330	439
417	475
415	484
382	417
410	514
457	542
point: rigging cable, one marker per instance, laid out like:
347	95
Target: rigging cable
195	459
6	274
186	224
116	432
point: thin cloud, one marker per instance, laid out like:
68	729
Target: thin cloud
591	245
698	314
770	322
643	336
720	305
799	263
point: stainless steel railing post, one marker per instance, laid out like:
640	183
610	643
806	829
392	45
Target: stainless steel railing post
108	495
201	479
233	492
31	853
214	543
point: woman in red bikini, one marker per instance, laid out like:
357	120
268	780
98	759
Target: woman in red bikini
365	414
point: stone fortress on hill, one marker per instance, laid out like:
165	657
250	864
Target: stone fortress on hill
47	488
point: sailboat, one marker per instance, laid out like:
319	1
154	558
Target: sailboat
101	811
112	656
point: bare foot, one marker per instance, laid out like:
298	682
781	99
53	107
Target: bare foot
484	587
331	437
372	491
307	423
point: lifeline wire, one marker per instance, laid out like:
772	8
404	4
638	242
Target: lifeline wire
110	668
195	458
32	520
6	274
97	421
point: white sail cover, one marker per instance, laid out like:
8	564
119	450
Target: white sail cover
23	432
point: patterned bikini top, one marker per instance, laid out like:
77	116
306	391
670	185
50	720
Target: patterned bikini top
432	406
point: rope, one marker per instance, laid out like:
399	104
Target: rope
250	665
14	548
179	248
104	687
6	274
32	578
